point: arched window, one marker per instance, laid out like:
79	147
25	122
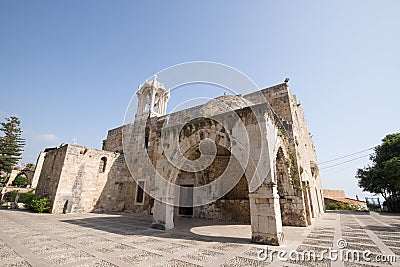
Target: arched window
103	164
146	137
155	108
148	103
140	192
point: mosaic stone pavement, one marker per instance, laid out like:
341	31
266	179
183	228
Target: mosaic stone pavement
377	233
125	239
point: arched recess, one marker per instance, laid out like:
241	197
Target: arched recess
189	145
263	206
234	206
21	180
26	174
103	164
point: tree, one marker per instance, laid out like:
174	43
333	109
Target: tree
30	166
20	181
11	144
383	176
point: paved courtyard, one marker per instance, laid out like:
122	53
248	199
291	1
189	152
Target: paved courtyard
125	239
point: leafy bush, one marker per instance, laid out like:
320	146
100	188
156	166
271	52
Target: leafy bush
23	197
332	206
344	206
20	181
27	197
13	195
39	204
374	207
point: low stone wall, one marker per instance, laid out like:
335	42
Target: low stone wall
237	210
334	193
293	211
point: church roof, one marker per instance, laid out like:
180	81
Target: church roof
226	103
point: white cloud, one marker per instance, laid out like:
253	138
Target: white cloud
49	138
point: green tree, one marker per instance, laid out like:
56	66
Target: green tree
11	144
383	176
30	166
20	181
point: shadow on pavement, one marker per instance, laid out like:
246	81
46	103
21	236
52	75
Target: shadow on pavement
123	223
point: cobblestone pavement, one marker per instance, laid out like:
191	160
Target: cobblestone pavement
125	239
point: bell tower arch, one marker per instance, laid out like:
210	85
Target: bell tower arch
152	99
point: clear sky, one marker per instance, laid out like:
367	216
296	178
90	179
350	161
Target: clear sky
69	68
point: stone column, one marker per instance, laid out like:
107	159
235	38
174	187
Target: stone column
164	105
141	104
153	96
161	106
163	215
266	224
38	169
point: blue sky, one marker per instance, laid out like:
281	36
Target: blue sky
69	68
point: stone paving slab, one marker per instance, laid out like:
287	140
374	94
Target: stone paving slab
125	239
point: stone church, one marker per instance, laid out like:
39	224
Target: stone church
244	158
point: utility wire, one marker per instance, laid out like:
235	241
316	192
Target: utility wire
338	169
337	164
346	156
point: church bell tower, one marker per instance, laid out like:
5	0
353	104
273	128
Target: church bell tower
152	99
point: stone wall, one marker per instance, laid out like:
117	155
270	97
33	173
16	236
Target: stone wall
83	179
120	191
234	210
114	140
306	159
306	197
277	97
38	169
334	193
50	174
76	180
